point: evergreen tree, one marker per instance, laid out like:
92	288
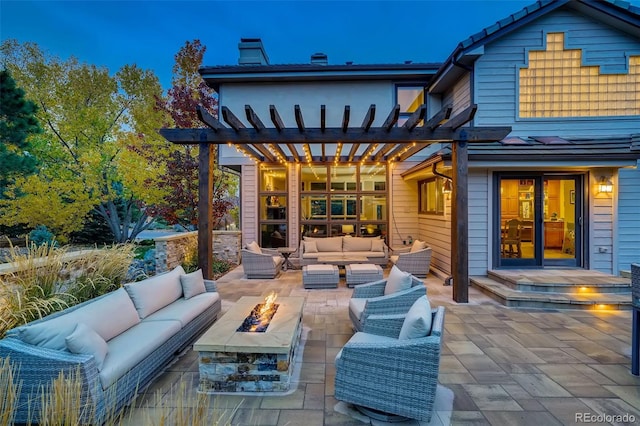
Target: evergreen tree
17	122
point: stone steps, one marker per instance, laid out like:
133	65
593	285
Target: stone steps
557	291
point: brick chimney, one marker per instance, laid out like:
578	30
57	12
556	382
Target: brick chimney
252	52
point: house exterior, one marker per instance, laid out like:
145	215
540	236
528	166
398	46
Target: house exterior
564	75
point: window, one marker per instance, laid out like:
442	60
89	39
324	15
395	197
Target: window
409	98
343	199
273	199
430	196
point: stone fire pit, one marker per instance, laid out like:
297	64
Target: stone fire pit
236	361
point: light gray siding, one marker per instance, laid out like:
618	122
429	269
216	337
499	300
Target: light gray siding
459	96
403	206
249	203
496	91
436	231
479	249
601	227
628	241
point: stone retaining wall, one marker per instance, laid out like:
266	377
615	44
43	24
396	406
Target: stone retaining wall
171	250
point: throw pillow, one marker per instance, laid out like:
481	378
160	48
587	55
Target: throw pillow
397	281
192	284
377	245
85	340
254	247
417	323
310	247
417	246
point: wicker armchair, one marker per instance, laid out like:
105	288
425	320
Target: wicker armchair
267	264
369	299
416	263
377	371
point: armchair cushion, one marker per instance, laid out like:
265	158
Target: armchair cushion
192	284
356	306
254	247
397	281
417	323
417	246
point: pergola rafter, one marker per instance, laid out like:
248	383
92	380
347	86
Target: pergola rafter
388	142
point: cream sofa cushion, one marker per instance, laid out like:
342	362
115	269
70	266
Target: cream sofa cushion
329	244
156	292
356	244
377	244
108	316
310	247
185	310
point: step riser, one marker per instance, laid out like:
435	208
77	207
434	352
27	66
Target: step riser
538	304
549	287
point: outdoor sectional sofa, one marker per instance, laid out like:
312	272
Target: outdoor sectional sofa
372	248
117	342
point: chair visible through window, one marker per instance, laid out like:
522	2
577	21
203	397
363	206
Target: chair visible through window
512	237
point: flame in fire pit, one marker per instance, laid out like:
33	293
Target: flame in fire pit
261	315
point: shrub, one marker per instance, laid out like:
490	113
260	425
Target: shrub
41	235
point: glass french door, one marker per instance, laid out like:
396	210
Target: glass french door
540	220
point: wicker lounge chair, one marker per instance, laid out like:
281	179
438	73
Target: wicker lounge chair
380	372
369	299
416	263
266	264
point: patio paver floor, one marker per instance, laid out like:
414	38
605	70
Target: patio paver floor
505	366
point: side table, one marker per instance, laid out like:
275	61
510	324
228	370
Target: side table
286	252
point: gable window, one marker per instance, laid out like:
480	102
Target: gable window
430	196
409	98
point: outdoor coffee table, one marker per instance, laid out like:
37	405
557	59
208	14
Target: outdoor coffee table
342	260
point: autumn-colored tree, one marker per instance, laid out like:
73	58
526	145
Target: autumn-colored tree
90	118
189	91
17	122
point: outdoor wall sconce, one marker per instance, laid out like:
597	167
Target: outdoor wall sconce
604	185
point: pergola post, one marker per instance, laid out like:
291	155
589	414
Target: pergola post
205	209
460	220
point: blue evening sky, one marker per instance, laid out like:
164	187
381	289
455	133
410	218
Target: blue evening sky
149	33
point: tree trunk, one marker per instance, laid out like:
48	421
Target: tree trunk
121	227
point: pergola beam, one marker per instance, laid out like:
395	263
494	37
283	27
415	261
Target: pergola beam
461	119
294	152
299	120
437	119
352	152
383	151
208	119
345	118
392	118
368	118
331	135
415	118
232	120
265	152
323	117
367	152
275	118
253	118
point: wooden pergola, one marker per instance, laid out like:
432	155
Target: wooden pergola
388	142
